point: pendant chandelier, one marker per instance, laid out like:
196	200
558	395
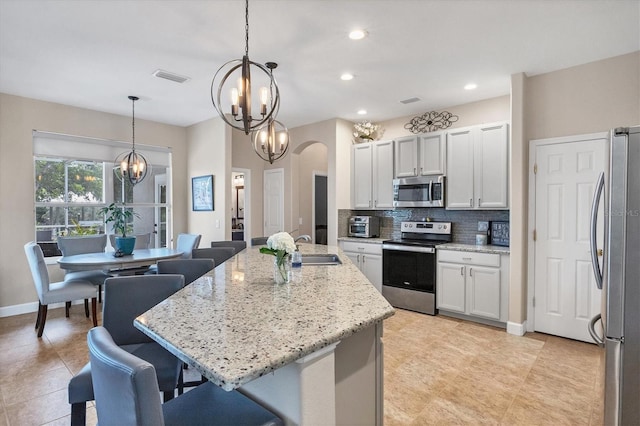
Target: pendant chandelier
132	166
271	140
243	117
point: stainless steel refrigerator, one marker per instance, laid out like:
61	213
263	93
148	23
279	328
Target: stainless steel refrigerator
619	189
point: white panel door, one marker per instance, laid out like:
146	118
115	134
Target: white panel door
565	295
273	201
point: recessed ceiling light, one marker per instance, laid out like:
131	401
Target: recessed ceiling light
470	86
357	34
346	76
362	112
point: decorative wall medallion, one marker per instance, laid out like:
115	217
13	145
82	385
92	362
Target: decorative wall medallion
431	121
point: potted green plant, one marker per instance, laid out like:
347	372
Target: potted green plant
119	216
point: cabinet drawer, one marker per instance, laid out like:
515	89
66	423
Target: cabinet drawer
469	258
369	248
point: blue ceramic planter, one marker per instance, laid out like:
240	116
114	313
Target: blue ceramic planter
125	244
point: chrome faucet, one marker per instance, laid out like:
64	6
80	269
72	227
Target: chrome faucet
305	237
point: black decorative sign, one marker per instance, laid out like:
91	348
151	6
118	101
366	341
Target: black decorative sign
431	121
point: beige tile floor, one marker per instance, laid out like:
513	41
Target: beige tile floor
438	370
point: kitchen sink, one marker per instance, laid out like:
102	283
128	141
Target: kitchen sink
321	259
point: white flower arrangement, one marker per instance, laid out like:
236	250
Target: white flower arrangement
281	241
366	130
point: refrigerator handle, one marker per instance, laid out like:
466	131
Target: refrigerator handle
592	331
594	226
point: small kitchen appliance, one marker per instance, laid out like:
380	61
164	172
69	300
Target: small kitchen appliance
364	226
422	191
409	265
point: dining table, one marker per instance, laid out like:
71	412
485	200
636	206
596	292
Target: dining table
108	262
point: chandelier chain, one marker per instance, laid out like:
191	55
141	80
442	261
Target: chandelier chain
246	28
133	125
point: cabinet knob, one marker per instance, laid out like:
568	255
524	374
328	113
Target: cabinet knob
470	270
478	202
462	270
414	171
470	202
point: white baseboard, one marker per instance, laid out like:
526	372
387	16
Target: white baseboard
515	328
27	308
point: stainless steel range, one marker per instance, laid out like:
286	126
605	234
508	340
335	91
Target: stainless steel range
409	265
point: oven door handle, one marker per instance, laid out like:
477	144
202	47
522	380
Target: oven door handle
399	247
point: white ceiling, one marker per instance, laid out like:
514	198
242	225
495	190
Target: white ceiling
93	54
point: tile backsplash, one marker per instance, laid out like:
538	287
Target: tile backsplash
464	222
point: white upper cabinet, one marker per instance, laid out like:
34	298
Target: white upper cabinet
362	166
372	178
383	175
420	155
478	167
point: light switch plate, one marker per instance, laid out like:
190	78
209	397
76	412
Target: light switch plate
483	226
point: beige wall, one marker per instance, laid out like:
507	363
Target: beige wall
209	153
18	118
243	157
312	159
485	111
589	98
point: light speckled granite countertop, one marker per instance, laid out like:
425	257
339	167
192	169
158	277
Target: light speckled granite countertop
235	324
363	240
473	247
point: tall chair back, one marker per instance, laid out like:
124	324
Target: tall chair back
186	243
70	246
259	241
191	269
218	254
38	268
237	245
125	386
127	297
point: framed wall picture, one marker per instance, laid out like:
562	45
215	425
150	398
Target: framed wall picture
202	193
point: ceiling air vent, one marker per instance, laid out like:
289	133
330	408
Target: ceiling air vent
170	76
409	101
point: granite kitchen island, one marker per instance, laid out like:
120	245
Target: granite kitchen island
309	350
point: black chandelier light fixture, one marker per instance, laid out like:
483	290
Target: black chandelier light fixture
132	166
242	116
271	140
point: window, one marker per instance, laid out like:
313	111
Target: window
69	192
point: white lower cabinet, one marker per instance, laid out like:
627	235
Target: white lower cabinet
368	258
474	284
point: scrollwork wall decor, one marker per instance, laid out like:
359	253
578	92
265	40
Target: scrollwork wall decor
431	121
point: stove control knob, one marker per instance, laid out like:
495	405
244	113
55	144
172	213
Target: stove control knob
445	226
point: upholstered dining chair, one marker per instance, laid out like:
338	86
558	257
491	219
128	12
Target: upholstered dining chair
64	291
218	254
125	298
185	243
191	269
237	245
259	241
70	246
126	394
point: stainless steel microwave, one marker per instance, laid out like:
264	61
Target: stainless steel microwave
423	191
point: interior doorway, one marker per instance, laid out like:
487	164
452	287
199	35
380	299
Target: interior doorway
319	219
240	204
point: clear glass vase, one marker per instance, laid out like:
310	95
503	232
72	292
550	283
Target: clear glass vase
282	270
